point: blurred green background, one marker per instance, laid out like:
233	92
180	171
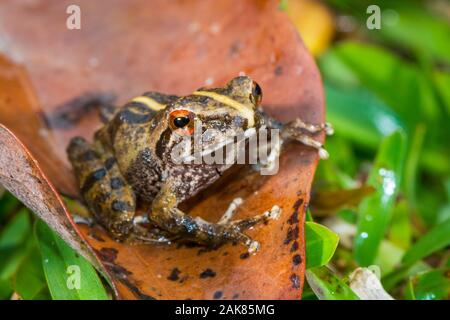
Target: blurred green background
382	199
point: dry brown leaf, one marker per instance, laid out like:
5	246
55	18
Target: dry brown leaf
129	47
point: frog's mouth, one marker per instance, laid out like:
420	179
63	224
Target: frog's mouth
221	144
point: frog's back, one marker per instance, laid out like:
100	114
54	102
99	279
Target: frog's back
131	135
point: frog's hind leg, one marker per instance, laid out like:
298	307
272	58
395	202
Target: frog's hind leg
102	186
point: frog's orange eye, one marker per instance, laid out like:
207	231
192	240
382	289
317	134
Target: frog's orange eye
182	121
256	95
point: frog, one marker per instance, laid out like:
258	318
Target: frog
130	162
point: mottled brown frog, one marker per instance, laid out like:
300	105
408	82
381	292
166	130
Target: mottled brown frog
131	160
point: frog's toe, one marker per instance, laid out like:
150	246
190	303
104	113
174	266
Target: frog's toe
229	213
329	130
253	247
273	213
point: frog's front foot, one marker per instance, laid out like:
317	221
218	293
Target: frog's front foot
212	234
243	224
299	130
247	223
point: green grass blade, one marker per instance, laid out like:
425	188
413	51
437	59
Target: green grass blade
69	276
431	285
412	162
400	232
327	286
436	239
375	210
321	243
442	83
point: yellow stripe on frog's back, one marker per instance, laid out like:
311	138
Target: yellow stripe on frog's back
149	102
247	112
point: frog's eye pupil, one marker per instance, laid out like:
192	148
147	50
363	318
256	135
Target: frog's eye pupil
181	122
256	90
256	95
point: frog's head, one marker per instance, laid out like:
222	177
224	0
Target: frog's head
218	114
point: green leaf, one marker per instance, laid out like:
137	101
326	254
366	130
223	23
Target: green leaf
442	82
359	116
436	239
11	260
321	243
343	156
375	210
5	289
8	203
405	23
69	276
14	244
29	280
328	201
444	211
389	257
327	286
418	30
431	285
308	216
15	231
400	232
400	85
390	280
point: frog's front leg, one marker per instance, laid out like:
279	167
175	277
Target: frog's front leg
300	131
296	130
167	216
105	192
244	224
